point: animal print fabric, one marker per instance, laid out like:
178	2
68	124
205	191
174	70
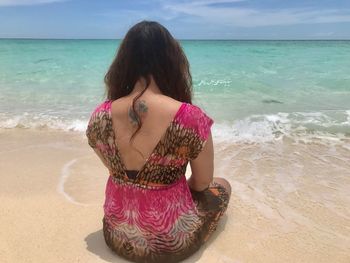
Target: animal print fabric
156	217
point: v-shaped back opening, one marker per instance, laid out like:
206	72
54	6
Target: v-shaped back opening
118	153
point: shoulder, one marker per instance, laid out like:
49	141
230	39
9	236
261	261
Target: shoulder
100	110
99	113
195	118
102	107
97	122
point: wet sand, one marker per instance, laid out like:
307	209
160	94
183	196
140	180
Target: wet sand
290	201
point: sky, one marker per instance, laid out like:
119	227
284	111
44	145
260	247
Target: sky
192	19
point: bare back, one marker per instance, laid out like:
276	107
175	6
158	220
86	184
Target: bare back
158	112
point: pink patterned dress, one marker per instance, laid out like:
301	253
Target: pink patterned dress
155	216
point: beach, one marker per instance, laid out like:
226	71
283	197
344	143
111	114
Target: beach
52	192
281	138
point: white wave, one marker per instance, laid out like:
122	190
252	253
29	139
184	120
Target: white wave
65	172
298	126
214	82
347	122
40	121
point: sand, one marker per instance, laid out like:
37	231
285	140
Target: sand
290	202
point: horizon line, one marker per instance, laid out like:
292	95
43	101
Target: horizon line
192	39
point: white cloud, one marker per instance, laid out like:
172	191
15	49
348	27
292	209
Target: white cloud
250	17
27	2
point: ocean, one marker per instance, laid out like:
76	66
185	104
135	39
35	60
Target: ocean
256	91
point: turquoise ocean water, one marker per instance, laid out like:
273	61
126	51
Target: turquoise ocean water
255	90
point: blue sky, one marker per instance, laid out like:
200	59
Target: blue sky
193	19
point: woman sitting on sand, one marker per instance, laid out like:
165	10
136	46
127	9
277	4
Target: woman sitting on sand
146	133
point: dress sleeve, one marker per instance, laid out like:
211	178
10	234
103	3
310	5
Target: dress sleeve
93	129
201	124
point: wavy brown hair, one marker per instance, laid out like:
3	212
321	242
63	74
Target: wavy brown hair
148	49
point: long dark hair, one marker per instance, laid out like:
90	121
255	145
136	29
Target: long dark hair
149	49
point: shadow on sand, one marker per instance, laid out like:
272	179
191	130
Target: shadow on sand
96	244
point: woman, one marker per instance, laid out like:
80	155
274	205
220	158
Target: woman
146	133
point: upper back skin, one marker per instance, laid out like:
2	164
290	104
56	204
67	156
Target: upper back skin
159	113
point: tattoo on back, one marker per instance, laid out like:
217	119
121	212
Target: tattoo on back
141	110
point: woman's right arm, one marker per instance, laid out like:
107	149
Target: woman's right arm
202	167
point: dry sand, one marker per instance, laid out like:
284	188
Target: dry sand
290	202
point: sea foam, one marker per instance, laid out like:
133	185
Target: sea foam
297	126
